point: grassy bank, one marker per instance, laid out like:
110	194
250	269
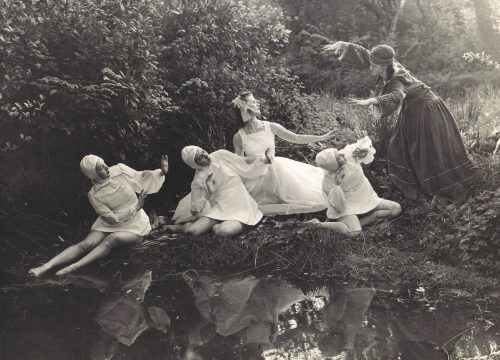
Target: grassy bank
450	250
447	249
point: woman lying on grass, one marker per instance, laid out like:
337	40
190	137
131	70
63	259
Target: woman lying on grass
219	200
351	198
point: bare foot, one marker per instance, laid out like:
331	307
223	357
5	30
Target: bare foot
38	271
313	221
173	228
67	270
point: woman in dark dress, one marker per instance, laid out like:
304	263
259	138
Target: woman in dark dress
426	153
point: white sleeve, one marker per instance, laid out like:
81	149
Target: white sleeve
149	181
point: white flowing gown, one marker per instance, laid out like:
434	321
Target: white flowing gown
289	187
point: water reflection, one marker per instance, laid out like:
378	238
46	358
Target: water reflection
126	312
345	317
246	307
122	317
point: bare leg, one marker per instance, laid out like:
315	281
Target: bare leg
228	228
386	209
71	253
103	249
200	226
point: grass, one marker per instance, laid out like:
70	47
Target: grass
386	254
405	253
401	252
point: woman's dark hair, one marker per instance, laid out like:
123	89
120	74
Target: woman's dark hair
390	71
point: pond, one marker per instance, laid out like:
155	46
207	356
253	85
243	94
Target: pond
124	311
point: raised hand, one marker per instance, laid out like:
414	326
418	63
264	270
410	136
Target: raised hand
329	135
140	200
359	153
338	49
164	164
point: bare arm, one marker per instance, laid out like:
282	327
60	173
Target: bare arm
292	137
238	145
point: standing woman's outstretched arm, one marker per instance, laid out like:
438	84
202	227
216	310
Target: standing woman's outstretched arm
350	53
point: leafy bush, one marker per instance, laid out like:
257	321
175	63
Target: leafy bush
92	76
468	232
78	77
214	49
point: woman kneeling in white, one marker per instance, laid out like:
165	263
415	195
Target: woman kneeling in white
352	200
218	197
121	221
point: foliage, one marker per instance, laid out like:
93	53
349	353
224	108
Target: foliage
78	77
429	37
478	117
92	76
81	68
468	232
357	122
483	58
215	49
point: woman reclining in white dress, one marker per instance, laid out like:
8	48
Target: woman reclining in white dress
289	186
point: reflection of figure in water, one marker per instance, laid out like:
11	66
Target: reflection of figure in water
359	329
121	221
344	316
248	307
122	317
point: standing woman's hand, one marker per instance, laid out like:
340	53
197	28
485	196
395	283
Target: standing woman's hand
363	102
338	49
164	164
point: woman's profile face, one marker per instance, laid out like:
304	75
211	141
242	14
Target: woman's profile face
202	158
378	70
102	170
252	104
340	160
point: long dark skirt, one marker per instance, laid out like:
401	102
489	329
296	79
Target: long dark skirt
426	153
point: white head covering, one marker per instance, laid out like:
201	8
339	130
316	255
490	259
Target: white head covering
87	165
188	154
327	159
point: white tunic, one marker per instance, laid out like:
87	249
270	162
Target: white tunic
224	197
218	193
359	195
115	199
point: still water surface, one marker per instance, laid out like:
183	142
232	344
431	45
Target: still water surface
128	312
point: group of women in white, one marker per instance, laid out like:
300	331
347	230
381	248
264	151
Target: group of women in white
232	191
